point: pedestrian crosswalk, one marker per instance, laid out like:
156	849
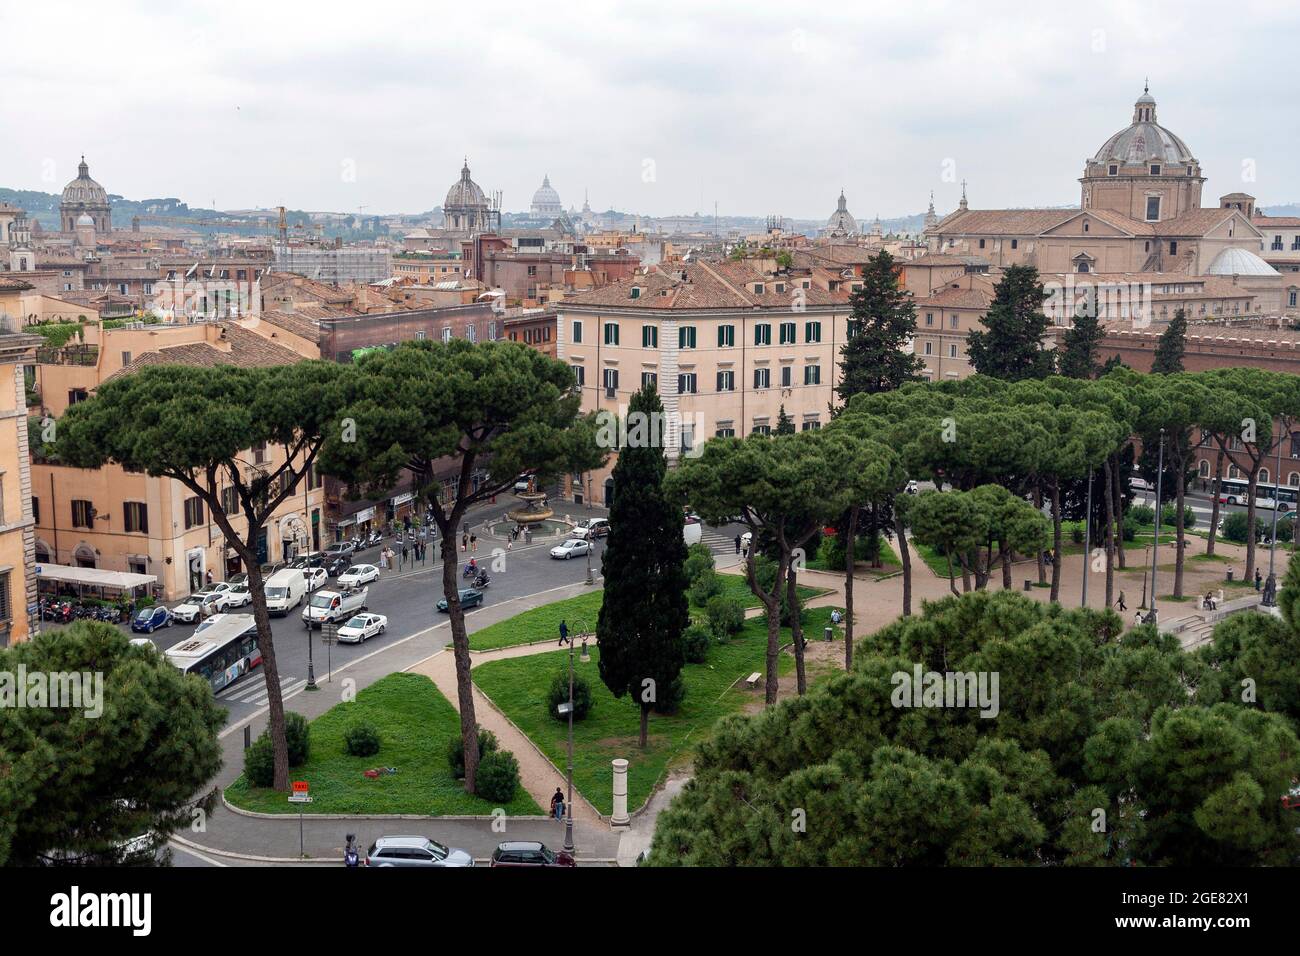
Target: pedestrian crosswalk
718	541
253	690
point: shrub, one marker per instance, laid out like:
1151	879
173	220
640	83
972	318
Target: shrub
1143	515
1076	534
707	584
559	694
259	762
1236	527
1130	528
498	777
487	743
1167	514
698	559
362	739
298	736
695	643
726	616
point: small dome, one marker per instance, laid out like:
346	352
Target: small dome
83	189
841	222
1240	262
85	220
464	193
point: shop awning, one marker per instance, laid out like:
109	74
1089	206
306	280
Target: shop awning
94	577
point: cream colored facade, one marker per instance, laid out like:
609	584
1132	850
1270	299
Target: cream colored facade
122	521
18	618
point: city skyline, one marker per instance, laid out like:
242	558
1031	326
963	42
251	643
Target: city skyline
655	123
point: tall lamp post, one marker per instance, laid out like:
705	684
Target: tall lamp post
1087	541
567	709
306	515
1155	544
1270	587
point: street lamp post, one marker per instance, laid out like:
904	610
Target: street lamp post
306	514
1155	544
1087	541
568	710
1270	588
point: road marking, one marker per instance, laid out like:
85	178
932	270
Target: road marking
189	849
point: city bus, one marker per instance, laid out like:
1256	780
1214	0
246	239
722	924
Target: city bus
1235	491
222	654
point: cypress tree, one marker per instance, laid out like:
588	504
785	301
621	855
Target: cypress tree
1011	345
1173	343
1080	345
645	608
881	323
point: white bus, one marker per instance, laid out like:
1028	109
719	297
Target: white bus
222	654
1235	491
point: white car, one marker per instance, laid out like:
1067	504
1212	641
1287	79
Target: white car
574	547
202	603
358	575
362	626
237	595
315	578
592	529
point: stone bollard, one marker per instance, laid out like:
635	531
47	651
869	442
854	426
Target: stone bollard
620	817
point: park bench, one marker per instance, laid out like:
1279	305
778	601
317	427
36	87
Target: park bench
752	680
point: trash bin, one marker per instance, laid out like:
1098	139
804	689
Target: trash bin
828	634
1229	574
1029	585
528	536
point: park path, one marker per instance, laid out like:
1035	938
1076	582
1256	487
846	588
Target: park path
537	774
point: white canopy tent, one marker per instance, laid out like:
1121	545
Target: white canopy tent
123	581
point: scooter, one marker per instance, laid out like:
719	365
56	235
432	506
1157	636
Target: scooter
469	571
351	856
482	581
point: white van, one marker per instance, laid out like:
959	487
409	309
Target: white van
285	590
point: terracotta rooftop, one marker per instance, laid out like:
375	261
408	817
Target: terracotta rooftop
10	284
304	321
699	285
246	349
949	298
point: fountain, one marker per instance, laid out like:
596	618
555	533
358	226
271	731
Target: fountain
535	509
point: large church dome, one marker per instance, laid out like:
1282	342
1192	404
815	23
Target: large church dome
1144	140
464	193
83	189
841	221
546	201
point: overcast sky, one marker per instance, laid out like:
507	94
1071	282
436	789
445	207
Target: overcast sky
658	108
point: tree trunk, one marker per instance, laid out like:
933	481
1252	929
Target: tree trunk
1110	536
952	580
270	669
1006	567
796	630
850	540
1057	560
1214	506
460	649
1118	506
905	556
1251	487
1180	541
645	725
1038	503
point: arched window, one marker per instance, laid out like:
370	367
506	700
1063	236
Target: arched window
1293	479
1233	472
1263	476
1204	468
42	553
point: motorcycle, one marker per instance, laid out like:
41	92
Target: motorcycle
470	570
351	856
482	581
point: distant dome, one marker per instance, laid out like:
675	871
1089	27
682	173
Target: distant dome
841	222
546	201
1144	140
1240	262
83	189
464	193
85	220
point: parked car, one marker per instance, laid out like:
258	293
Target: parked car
240	578
336	566
362	626
316	559
572	548
414	851
149	619
340	549
202	603
524	853
469	597
271	567
329	606
358	575
592	529
912	487
521	483
240	595
315	577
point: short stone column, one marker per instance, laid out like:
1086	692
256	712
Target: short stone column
620	817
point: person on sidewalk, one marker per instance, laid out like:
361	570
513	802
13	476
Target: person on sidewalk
557	804
1120	602
464	540
737	544
1258	578
473	542
564	632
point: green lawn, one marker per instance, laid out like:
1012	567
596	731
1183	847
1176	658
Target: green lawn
735	586
888	559
541	623
518	686
415	724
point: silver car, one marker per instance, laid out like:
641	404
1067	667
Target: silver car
414	851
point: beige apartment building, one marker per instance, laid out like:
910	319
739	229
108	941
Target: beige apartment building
128	521
727	344
18	617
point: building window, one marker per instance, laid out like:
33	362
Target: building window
812	331
811	425
193	512
611	333
77	395
787	333
230	500
1173	247
1015	243
259	453
726	381
929	318
686	337
135	517
577	332
1277	243
952	321
812	374
446	333
580	373
83	513
763	334
787	376
1113	170
649	336
611	382
763	429
981	243
929	348
650	378
6	604
36	509
1155	169
725	431
726	336
686	383
1153	208
762	378
952	351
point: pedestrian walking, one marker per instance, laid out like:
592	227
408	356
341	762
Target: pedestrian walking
564	632
1120	603
405	550
557	804
383	559
737	544
1258	578
473	543
464	540
510	542
209	578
